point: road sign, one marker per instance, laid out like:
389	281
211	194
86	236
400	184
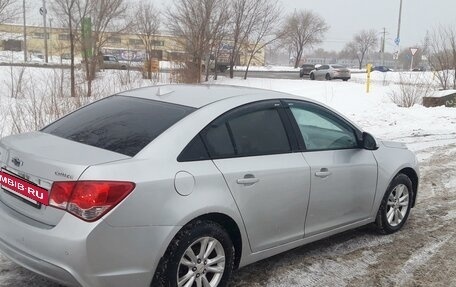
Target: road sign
397	41
43	11
413	51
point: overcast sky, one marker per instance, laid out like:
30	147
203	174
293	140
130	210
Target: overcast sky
346	17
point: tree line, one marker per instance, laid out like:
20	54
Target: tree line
203	28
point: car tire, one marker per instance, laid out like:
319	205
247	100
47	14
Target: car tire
312	77
193	236
328	77
396	204
345	80
301	75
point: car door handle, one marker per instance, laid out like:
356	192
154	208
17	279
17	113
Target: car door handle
323	173
248	179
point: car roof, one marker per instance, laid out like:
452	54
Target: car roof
198	96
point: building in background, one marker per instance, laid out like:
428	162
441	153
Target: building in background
125	46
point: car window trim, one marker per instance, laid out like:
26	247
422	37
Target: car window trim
275	104
302	146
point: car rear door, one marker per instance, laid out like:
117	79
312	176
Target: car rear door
343	176
252	148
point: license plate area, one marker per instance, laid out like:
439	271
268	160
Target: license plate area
23	190
25	200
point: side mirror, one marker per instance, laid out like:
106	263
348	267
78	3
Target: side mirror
369	142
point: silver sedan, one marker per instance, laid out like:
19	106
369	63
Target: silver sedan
330	72
179	185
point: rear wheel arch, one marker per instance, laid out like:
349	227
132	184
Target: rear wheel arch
230	226
221	220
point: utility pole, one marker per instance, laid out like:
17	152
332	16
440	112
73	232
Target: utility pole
383	46
45	32
25	32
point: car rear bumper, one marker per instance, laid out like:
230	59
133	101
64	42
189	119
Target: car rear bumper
341	75
77	253
37	265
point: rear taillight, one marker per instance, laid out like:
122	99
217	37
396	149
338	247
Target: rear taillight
88	200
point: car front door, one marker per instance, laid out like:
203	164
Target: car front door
343	175
252	148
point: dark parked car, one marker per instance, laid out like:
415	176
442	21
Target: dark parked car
419	69
381	69
306	69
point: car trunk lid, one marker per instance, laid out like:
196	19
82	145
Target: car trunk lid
40	159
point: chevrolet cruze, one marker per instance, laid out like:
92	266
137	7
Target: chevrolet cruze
178	185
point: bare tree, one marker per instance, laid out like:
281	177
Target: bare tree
361	44
8	11
244	15
442	55
105	16
70	16
219	35
147	25
264	32
303	29
195	23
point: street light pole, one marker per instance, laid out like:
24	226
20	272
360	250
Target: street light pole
398	37
50	37
25	32
399	22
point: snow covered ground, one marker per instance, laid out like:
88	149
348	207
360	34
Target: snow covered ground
422	254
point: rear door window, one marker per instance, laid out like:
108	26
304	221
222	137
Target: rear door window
120	124
255	129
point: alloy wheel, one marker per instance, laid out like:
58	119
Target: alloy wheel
397	205
202	264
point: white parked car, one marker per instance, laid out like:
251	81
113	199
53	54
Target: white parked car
330	72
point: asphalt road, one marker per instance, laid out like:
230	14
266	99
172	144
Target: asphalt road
269	75
240	74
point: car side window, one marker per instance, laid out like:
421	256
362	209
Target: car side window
248	132
194	151
322	130
218	140
259	133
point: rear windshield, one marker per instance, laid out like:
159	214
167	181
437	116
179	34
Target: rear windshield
338	67
120	124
